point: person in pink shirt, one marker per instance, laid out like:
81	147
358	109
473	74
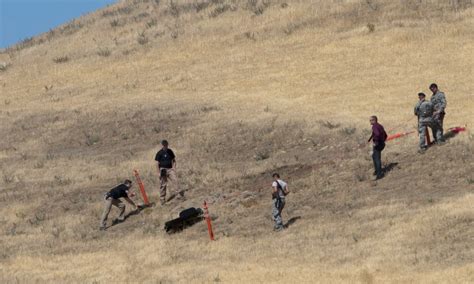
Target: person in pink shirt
378	138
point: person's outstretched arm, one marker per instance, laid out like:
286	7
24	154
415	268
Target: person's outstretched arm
130	201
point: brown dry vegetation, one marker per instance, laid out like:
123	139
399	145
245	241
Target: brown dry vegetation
241	89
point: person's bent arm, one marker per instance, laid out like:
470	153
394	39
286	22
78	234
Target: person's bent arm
157	159
375	136
443	103
173	164
274	189
417	109
131	202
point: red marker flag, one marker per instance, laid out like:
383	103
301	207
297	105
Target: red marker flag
457	129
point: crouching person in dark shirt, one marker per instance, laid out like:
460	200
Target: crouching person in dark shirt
378	138
113	198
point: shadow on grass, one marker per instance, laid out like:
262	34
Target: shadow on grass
453	132
450	134
291	221
388	168
131	213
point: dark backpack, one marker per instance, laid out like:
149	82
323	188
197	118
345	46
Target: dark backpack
186	218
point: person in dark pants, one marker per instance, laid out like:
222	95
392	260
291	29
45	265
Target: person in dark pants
113	198
378	138
166	163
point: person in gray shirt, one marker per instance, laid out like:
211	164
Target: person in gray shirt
424	112
438	99
279	193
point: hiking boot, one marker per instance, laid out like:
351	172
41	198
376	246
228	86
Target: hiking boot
180	196
278	228
379	177
117	221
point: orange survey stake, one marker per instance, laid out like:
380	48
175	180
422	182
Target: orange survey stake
142	188
208	220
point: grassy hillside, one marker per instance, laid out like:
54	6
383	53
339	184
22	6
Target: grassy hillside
241	89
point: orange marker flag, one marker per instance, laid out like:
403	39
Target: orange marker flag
208	220
398	135
142	188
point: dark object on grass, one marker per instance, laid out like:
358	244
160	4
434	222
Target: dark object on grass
187	217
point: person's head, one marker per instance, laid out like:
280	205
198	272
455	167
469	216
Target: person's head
276	176
421	96
164	143
434	88
128	183
373	120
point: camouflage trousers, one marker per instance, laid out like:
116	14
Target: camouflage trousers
278	205
437	128
422	132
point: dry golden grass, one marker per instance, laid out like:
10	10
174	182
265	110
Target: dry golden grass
240	89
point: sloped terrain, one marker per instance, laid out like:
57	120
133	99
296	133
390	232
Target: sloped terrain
241	90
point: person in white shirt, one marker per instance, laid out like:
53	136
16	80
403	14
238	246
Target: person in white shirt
279	193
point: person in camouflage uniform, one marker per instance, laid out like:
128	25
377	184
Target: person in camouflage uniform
438	99
424	111
279	192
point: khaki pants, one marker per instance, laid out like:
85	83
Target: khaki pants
164	180
108	205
